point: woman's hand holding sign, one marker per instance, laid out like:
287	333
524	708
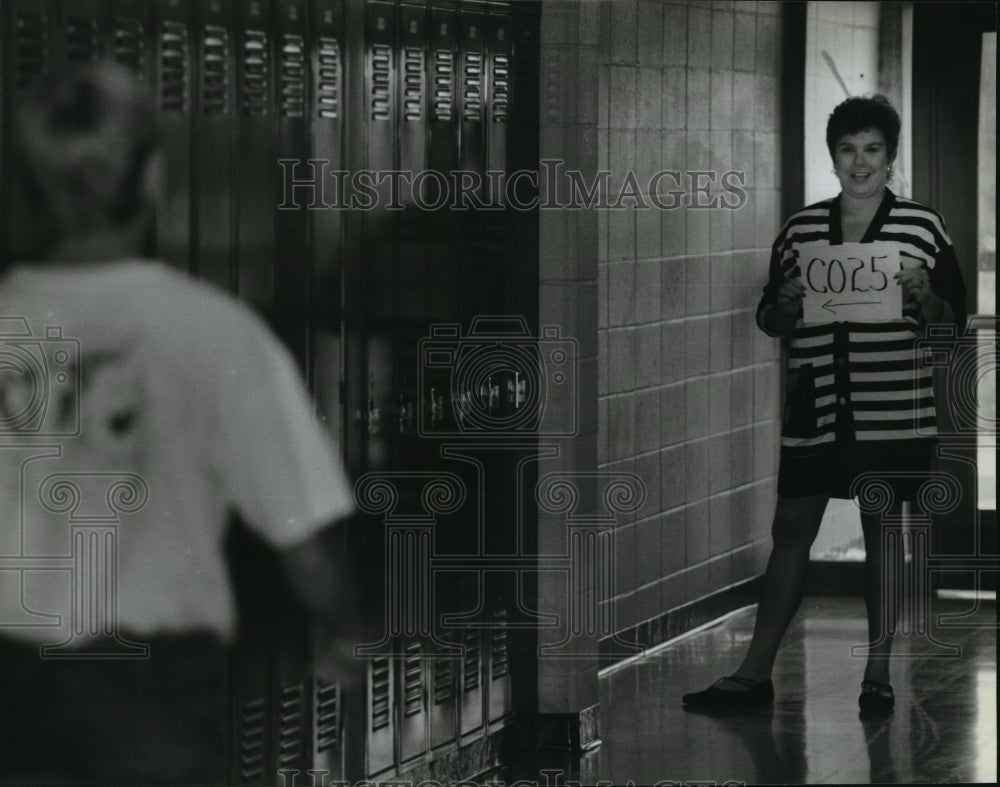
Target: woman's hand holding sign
916	281
791	294
852	282
780	317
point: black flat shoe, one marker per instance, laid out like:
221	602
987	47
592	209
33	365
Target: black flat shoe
876	697
757	694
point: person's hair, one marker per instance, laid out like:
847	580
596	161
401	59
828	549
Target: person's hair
859	113
81	144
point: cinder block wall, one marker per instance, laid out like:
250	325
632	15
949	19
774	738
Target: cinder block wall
688	388
676	383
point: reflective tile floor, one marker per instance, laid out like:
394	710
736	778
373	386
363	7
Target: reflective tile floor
943	729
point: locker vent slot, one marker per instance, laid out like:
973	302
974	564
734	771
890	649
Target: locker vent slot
290	726
327	716
472	99
81	39
252	726
413	684
471	663
256	67
381	74
413	93
328	89
174	69
130	43
31	47
498	646
293	76
501	87
215	71
381	676
444	83
443	688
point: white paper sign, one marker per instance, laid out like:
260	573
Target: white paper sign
850	282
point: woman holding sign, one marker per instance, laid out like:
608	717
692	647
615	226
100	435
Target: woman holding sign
854	280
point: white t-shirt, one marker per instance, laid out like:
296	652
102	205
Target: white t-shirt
128	379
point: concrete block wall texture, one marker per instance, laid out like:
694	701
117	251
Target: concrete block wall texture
688	387
677	386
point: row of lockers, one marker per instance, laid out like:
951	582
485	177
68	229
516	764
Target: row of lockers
248	93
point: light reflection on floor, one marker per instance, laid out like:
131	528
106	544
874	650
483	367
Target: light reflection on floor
944	728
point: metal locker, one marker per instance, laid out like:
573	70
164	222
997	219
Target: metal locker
443	699
472	697
173	53
412	704
499	667
256	124
27	34
374	195
328	723
327	92
245	267
240	84
374	198
293	689
28	30
250	675
499	55
380	727
291	249
82	31
412	254
381	222
354	381
292	721
471	88
481	265
131	42
442	156
212	161
326	41
412	158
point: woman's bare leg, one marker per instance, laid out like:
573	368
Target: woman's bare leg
882	610
796	522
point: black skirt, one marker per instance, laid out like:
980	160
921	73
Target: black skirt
832	468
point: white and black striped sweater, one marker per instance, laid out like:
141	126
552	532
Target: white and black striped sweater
862	380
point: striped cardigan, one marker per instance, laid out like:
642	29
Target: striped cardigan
862	381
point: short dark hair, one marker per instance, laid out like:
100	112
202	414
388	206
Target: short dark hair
859	113
81	144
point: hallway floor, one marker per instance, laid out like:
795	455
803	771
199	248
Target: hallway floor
943	729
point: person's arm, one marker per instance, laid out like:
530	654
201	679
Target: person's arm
938	289
282	473
781	302
778	319
947	284
322	573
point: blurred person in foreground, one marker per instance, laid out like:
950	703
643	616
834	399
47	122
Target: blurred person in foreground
180	393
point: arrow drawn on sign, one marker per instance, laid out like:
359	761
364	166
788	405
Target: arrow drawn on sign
830	306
